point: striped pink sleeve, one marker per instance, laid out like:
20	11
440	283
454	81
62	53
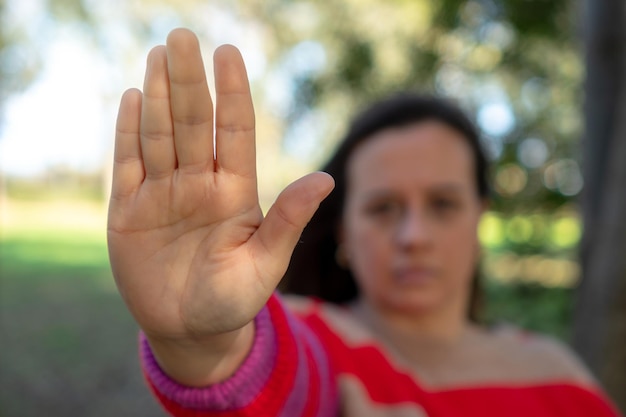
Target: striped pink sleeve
287	373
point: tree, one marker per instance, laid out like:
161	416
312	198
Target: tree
18	66
600	325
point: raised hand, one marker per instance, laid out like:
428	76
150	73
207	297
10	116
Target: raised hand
190	251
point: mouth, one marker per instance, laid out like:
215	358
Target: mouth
414	275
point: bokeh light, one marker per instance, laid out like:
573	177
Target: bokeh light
564	176
532	152
510	179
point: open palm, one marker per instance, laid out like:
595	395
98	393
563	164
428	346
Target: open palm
190	250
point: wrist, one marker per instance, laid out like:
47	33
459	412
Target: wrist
238	391
199	363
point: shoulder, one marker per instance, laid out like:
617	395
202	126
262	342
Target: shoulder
298	304
542	357
304	306
338	319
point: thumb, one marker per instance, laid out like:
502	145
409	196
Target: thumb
276	237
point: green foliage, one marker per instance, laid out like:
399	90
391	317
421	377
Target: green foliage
69	10
530	306
19	66
354	69
519	53
523	15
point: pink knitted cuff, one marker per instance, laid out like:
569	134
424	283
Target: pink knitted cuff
234	393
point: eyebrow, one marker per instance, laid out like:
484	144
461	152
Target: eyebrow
447	188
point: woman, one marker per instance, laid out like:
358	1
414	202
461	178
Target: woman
197	264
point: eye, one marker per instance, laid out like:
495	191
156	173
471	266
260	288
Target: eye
385	208
445	205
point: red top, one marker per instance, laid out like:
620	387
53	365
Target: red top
317	371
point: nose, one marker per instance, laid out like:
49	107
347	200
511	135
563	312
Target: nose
414	229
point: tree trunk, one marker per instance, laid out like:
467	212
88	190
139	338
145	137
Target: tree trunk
600	322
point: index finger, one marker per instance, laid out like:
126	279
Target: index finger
234	114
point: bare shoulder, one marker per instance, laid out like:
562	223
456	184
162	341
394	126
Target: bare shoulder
303	305
544	357
340	319
299	304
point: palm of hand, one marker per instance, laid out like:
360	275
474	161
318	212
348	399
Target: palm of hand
190	250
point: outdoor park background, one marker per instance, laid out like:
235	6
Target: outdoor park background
68	345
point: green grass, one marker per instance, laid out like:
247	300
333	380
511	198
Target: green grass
68	343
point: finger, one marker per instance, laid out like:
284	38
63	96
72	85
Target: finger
234	116
157	138
128	172
277	236
192	109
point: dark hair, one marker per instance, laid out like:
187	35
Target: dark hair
314	270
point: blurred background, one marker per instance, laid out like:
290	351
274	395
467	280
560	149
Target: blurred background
544	79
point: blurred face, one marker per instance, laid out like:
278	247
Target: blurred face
410	218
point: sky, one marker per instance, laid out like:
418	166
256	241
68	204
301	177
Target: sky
62	119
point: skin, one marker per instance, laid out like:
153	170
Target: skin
409	228
410	219
192	255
